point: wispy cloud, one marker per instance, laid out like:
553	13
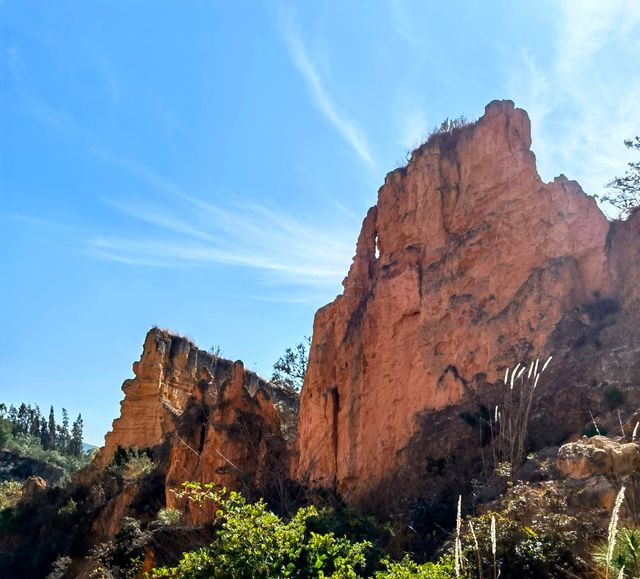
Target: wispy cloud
349	131
192	231
35	221
587	100
405	27
169	227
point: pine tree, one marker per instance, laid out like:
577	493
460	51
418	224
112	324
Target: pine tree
44	433
34	419
63	433
23	418
291	367
51	438
75	445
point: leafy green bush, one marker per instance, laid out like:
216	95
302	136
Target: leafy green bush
60	568
613	397
594	430
252	541
626	553
122	557
408	569
343	522
534	537
7	518
68	509
10	493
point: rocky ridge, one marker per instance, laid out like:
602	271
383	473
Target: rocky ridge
204	418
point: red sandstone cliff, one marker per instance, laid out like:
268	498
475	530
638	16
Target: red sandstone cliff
205	418
467	264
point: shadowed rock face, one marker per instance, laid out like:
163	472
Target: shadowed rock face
468	264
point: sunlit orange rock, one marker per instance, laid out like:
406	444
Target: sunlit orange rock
465	266
205	419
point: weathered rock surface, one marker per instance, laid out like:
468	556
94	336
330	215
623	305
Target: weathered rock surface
206	419
598	455
468	264
33	488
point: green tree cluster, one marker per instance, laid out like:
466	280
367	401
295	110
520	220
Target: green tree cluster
28	420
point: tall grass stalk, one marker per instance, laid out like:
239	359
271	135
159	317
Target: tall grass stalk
595	425
613	530
510	422
493	546
477	548
457	551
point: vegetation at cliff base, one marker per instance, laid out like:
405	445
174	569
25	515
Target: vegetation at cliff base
253	541
26	432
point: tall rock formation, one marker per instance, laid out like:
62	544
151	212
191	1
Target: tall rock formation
468	264
205	418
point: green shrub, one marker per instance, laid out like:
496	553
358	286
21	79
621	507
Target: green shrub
121	558
137	467
613	397
343	522
408	569
535	537
10	493
130	464
8	517
68	509
60	568
169	516
595	430
254	542
30	447
626	553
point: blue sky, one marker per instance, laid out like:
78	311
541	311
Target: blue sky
205	166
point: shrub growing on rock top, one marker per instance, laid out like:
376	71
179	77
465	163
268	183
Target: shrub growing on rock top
625	190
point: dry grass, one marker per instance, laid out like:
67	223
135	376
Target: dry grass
509	423
613	530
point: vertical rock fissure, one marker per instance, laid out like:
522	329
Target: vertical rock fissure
335	402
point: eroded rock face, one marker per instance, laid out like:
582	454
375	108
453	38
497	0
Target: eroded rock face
467	264
598	455
206	419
